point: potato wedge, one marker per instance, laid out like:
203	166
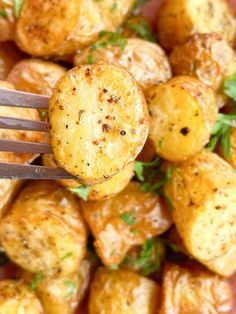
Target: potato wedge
183	112
15	298
145	60
203	195
7	21
128	219
41	227
36	76
44	25
98	121
194	290
180	19
9	56
122	291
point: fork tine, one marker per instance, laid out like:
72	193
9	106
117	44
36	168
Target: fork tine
13	98
24	147
22	124
29	172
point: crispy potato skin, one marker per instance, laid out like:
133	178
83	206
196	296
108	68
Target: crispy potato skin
44	25
122	291
41	227
104	190
9	56
7	25
182	114
113	237
178	20
207	57
98	121
36	76
194	290
145	60
203	195
15	298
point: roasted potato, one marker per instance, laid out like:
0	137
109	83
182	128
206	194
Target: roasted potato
101	191
42	226
7	20
145	60
182	114
126	220
9	56
36	76
232	158
194	290
98	121
207	57
179	19
203	195
121	291
16	298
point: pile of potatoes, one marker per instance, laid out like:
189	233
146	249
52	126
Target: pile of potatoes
147	226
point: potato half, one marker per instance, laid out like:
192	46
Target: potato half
203	195
182	114
122	291
42	226
7	22
98	121
180	19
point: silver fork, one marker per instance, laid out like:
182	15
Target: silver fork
12	98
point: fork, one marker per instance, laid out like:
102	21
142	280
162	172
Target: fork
12	98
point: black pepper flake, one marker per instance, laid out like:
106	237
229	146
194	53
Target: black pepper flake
184	131
87	72
61	107
123	133
105	90
106	128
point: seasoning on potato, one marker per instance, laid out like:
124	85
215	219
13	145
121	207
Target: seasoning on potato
182	114
98	121
203	195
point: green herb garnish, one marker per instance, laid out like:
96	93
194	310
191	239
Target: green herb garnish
3	13
71	287
37	279
113	7
114	266
141	166
142	28
82	191
17	7
113	39
230	86
66	256
138	5
128	218
91	59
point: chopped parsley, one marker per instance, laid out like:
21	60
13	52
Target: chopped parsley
114	266
82	191
142	28
91	59
66	256
113	7
169	174
17	7
113	39
138	5
3	13
141	166
37	279
128	218
230	86
71	287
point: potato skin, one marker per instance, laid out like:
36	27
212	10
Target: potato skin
114	237
36	76
145	60
53	228
98	121
194	290
122	291
15	298
203	195
182	114
9	56
178	20
8	24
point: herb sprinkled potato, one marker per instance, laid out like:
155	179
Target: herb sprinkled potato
122	291
98	121
7	20
203	195
182	114
180	19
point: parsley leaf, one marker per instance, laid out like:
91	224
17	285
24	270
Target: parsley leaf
169	174
67	255
114	266
113	39
37	279
142	28
113	7
82	191
128	218
140	167
138	5
3	13
71	287
230	86
17	7
91	59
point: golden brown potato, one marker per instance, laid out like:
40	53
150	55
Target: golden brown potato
194	290
101	191
182	114
232	158
42	226
203	195
180	19
145	60
98	121
16	298
8	21
44	25
207	57
126	220
9	56
36	76
121	291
